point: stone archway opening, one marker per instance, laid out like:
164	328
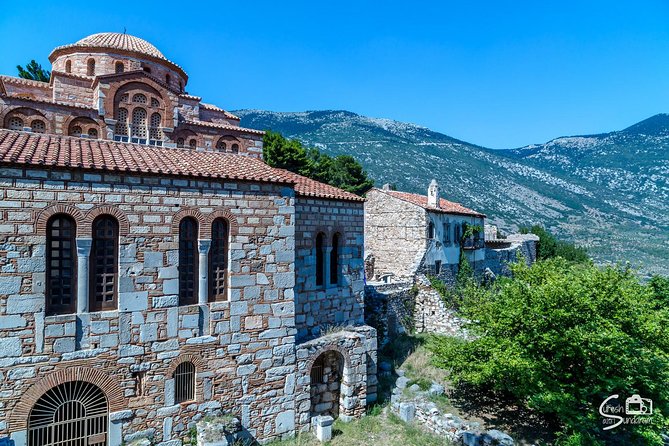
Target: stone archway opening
326	375
74	413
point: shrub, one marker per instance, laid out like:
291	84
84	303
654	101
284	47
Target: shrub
560	337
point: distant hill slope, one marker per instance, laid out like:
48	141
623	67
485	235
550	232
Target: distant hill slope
607	192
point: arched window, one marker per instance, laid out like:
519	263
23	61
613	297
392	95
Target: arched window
38	126
147	70
220	146
139	98
119	67
139	123
168	79
218	260
154	128
184	382
320	259
90	67
188	261
15	123
121	121
76	131
235	148
93	133
192	143
68	66
430	230
334	259
181	86
103	270
155	103
61	268
180	142
72	413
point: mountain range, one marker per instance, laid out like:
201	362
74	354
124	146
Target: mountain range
608	192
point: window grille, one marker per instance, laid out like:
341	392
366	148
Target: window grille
76	131
93	133
218	260
90	67
61	265
188	261
74	413
119	68
180	143
235	148
334	260
121	121
154	129
124	98
221	146
184	382
317	371
16	123
139	123
139	98
320	259
192	144
104	264
38	126
155	103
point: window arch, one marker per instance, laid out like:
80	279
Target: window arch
184	382
90	67
334	259
180	143
192	143
61	268
93	133
68	66
72	413
75	131
139	98
15	123
218	260
320	259
168	79
139	123
235	148
119	67
38	126
221	146
103	270
188	254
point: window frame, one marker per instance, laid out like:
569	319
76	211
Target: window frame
218	254
183	378
188	244
52	309
93	304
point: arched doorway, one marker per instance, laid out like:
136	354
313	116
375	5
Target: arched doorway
74	413
326	378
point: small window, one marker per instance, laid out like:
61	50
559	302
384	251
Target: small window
154	128
316	374
147	70
218	260
38	126
121	121
68	66
155	103
93	133
90	67
437	267
61	268
188	257
192	144
76	131
320	259
139	122
458	233
235	148
184	383
447	233
104	264
139	98
334	260
180	142
15	123
181	86
168	79
119	67
430	230
221	146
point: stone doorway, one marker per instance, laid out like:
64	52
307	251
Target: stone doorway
326	378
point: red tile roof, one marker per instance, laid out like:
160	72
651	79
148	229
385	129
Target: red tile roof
447	207
218	125
46	150
311	188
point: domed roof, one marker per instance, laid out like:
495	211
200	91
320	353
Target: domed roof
120	41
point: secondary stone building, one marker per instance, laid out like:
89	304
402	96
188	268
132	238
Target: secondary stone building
154	270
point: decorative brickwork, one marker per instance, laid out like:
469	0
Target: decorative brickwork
45	214
92	214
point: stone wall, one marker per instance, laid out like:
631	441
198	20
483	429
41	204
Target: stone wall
390	309
243	348
340	304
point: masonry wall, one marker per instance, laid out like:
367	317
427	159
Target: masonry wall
395	236
243	348
330	305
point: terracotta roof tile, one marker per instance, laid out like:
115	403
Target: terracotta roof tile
28	82
311	188
223	126
219	109
447	207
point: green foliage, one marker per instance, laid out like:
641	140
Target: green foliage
549	246
660	287
423	383
342	171
34	71
559	337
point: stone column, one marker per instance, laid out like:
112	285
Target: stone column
203	270
83	254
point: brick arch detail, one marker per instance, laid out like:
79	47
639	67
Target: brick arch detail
167	109
225	214
189	212
186	357
328	348
322	230
119	215
19	418
48	212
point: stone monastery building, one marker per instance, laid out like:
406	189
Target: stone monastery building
154	270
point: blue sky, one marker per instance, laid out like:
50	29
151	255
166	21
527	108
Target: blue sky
496	73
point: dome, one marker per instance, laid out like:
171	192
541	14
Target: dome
120	41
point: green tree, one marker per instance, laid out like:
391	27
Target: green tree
559	337
34	71
347	174
549	246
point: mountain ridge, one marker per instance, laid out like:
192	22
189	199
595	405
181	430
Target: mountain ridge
607	191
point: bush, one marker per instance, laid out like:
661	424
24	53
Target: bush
560	337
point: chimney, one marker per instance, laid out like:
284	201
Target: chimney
433	194
386	186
